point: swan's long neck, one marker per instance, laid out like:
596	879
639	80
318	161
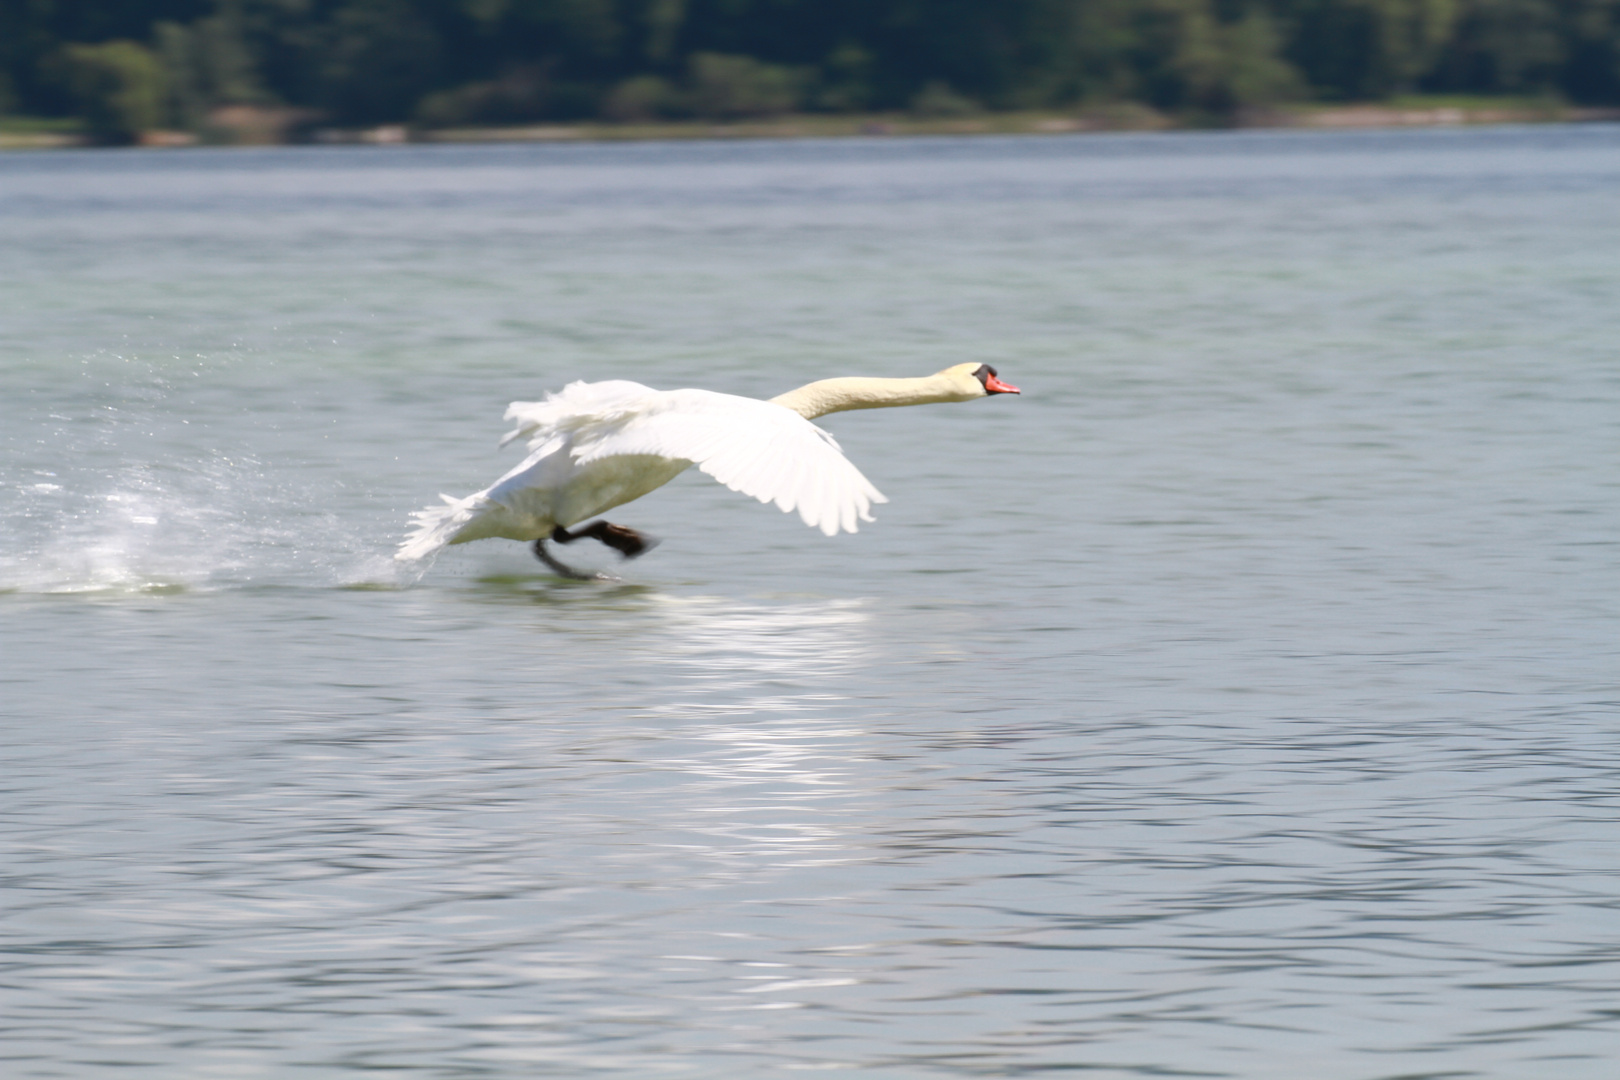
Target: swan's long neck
837	395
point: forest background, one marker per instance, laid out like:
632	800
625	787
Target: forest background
115	68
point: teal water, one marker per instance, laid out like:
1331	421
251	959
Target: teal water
1240	701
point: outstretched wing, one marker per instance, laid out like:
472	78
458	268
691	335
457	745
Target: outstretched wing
755	447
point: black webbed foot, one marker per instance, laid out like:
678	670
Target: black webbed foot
627	542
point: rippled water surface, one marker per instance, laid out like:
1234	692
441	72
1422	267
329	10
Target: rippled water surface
1241	701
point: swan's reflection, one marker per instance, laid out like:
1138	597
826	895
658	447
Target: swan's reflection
730	641
756	723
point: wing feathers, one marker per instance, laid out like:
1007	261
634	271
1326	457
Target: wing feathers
754	447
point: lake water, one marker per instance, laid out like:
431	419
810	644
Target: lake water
1241	701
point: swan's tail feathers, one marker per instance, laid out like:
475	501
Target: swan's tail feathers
437	526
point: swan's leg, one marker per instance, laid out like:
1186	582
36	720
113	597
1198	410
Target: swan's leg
625	541
562	569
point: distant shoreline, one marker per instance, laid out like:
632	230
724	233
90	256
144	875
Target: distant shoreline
249	126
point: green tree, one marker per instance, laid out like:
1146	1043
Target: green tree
119	86
642	98
1591	33
208	63
845	84
1366	49
377	60
937	99
513	61
729	87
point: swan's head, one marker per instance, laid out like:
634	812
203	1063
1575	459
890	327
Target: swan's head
977	380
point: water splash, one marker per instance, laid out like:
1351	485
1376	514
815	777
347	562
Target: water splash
216	523
127	486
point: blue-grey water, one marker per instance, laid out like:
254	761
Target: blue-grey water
1241	701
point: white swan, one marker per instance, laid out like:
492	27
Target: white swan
595	446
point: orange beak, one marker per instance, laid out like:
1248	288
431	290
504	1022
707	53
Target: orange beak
993	385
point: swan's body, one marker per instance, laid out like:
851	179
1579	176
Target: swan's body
594	446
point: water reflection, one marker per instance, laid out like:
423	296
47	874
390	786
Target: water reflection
752	642
645	829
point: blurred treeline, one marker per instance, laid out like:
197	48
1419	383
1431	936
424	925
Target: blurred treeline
127	65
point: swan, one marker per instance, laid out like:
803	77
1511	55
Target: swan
594	446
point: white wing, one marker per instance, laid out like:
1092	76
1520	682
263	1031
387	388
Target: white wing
578	406
755	447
